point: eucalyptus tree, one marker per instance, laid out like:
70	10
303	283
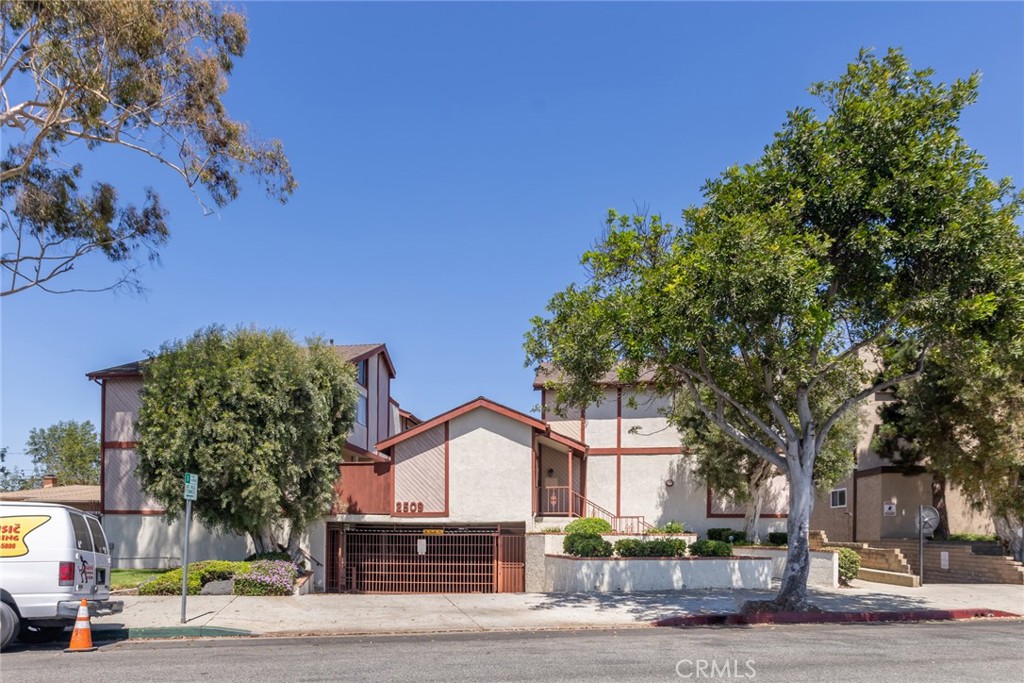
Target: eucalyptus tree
865	234
146	77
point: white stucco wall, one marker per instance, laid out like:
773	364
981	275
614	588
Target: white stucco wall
490	459
824	564
573	575
601	422
151	542
644	424
601	480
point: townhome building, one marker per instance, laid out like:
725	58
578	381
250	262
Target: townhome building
443	504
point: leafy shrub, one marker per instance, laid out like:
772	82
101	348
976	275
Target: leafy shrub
551	530
778	538
584	544
199	574
278	555
628	547
590	525
267	577
726	534
664	547
709	548
673	528
976	538
849	564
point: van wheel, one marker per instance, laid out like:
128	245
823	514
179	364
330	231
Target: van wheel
39	634
9	623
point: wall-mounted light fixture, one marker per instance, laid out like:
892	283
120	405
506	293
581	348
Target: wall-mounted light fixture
670	483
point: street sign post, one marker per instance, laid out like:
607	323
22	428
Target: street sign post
191	492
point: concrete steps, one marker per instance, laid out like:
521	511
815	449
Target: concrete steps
891	578
962	565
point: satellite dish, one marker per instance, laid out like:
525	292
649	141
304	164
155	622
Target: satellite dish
929	519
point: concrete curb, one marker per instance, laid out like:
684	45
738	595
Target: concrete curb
833	617
107	635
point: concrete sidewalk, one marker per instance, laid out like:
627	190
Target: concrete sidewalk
379	614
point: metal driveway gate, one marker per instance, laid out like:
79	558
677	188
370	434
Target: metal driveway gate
426	560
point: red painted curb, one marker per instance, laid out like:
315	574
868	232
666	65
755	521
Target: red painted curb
832	617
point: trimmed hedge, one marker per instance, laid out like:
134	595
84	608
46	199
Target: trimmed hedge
849	564
656	547
726	534
669	528
585	544
778	538
709	548
590	525
199	574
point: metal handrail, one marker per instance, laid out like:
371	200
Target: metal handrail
620	523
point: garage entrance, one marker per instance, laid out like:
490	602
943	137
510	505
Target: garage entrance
425	560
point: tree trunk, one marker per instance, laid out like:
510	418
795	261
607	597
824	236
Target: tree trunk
939	503
294	537
757	489
792	595
264	541
1009	532
754	506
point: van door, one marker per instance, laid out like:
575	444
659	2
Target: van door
85	557
99	545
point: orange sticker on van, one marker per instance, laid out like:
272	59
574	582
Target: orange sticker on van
13	531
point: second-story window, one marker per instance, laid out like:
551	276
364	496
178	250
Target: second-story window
361	410
361	373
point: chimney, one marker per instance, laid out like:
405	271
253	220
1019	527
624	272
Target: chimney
49	481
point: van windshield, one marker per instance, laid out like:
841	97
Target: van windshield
83	539
99	541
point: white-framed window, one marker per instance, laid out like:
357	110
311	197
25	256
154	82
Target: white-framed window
837	497
361	410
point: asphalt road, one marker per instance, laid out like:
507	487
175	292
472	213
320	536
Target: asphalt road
988	651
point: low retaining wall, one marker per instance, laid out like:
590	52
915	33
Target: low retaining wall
824	564
563	574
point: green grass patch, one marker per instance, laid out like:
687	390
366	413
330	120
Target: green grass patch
131	578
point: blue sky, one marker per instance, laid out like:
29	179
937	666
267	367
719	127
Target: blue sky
455	159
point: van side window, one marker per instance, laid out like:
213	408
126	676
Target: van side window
99	541
83	539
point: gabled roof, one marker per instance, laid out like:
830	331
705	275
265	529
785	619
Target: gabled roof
73	493
352	353
546	373
127	370
486	404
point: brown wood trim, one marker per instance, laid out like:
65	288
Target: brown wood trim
909	471
569	442
721	515
377	457
618	451
120	445
447	467
146	513
103	450
544	404
534	483
641	450
583	425
479	402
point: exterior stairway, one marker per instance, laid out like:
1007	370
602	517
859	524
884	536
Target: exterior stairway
561	501
896	561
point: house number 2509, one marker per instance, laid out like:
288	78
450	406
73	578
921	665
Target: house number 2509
407	506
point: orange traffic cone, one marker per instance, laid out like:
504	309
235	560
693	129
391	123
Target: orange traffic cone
81	637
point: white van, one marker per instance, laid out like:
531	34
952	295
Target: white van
51	556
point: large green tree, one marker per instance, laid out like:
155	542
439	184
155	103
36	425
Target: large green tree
144	76
865	234
69	450
739	475
964	422
261	420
